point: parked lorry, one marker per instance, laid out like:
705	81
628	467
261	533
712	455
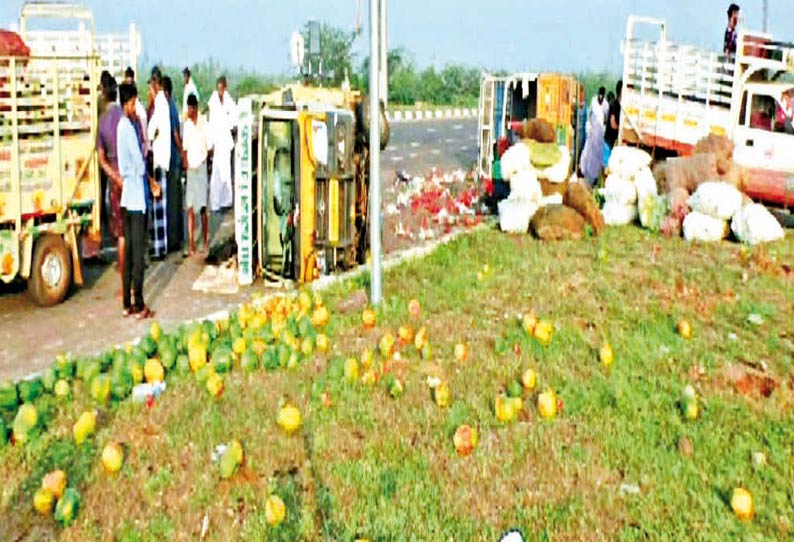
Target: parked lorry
675	94
507	101
49	173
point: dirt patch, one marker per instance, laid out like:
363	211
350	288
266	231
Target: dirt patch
747	381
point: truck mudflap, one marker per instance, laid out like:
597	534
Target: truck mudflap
775	187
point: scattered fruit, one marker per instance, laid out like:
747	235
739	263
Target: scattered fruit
289	419
544	332
320	317
528	323
368	318
367	357
396	388
67	507
684	329
215	384
515	389
351	369
386	346
406	334
442	395
231	459
529	380
547	404
25	422
112	458
742	504
606	355
85	427
420	339
465	440
43	501
55	483
322	343
153	371
461	352
275	510
155	331
689	403
504	408
414	309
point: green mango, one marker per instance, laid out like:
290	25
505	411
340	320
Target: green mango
167	355
100	387
148	345
515	389
222	360
67	507
64	367
3	433
9	398
105	361
121	383
249	361
271	361
48	379
203	374
25	422
90	370
228	464
182	364
30	390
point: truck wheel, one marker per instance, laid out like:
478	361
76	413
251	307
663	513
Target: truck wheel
51	273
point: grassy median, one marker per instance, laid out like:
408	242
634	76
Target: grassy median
620	462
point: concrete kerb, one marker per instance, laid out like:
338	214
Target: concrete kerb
408	115
326	282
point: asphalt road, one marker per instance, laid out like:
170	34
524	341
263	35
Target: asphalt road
90	321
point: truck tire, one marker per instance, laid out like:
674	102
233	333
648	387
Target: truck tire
51	271
363	118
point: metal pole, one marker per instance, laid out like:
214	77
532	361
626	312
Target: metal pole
384	55
766	16
376	289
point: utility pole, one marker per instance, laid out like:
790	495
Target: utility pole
384	55
376	288
766	16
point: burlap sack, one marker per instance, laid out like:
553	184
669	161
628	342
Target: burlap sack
538	130
580	199
558	223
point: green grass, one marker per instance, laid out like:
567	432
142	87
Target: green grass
385	469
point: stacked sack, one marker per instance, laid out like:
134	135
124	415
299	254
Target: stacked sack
525	197
628	186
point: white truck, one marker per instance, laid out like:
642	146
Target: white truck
674	95
49	172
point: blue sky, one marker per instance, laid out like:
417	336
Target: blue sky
574	35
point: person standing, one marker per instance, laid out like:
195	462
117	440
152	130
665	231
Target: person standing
729	44
175	201
613	122
132	168
140	111
108	161
223	118
190	88
593	154
159	133
194	155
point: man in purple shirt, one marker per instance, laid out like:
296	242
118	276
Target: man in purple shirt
729	45
108	161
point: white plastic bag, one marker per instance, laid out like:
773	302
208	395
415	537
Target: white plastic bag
514	160
616	214
524	185
620	191
626	161
558	173
754	224
702	227
514	215
647	193
716	199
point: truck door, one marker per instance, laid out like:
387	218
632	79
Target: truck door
764	148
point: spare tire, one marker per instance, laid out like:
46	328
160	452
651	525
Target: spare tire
363	118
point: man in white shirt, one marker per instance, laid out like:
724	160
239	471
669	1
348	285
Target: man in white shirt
195	147
190	88
223	119
159	134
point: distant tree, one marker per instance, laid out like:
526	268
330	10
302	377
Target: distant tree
336	52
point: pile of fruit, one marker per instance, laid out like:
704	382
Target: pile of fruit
277	333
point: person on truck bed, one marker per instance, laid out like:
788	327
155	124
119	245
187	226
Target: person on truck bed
729	45
134	201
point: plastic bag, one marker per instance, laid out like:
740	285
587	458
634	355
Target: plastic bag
616	214
620	191
716	199
754	224
652	210
558	173
702	227
514	215
524	186
626	161
515	159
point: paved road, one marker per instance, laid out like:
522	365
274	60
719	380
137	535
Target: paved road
90	319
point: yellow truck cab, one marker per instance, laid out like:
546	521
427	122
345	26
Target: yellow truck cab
49	173
676	94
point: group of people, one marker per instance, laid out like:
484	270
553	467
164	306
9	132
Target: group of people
143	153
603	126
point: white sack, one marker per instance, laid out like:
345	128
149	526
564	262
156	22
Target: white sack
754	224
702	227
716	199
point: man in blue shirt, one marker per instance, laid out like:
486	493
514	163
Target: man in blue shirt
132	168
174	197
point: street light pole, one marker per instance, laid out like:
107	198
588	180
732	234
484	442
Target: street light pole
766	16
384	55
376	288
